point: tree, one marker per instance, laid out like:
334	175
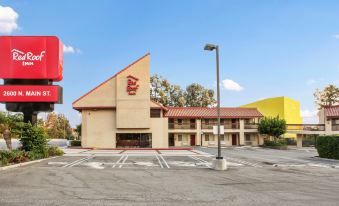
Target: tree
272	126
327	97
11	126
58	126
78	129
195	95
160	88
177	96
198	96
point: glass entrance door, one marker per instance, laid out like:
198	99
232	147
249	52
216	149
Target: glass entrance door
134	140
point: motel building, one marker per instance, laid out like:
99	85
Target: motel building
119	113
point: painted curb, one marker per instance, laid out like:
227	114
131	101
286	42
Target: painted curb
25	163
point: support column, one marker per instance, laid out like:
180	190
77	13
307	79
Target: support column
328	127
198	132
261	139
299	140
30	116
242	132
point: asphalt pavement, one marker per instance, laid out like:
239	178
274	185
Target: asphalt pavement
255	177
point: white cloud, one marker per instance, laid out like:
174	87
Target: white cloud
311	82
8	20
336	36
231	85
308	114
71	50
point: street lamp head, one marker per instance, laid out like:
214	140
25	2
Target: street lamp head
210	47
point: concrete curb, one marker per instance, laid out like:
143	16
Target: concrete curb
25	163
321	158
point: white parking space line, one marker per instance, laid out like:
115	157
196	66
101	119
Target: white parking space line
163	159
201	161
78	161
159	161
123	162
117	162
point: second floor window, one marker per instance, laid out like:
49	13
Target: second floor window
155	113
222	121
179	121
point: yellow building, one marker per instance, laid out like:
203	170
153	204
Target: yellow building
284	107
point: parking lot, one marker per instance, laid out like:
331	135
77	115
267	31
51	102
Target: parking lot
132	159
255	176
189	159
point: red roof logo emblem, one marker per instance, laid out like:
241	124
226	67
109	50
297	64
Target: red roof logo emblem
132	85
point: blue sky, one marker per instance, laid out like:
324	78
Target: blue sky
267	48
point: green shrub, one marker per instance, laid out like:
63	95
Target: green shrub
13	157
76	143
272	126
34	139
5	156
328	147
71	137
55	151
38	153
279	143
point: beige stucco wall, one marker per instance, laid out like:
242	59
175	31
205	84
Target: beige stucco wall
103	97
159	130
133	111
111	110
98	128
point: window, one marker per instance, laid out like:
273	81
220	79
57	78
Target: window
155	113
222	121
207	137
207	121
179	121
222	137
179	137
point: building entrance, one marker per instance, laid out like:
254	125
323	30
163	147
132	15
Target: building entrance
134	140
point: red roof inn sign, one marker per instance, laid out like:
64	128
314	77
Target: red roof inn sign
31	57
29	65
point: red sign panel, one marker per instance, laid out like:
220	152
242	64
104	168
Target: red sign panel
31	57
29	93
132	85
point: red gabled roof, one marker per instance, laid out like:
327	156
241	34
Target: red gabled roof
205	112
111	78
332	111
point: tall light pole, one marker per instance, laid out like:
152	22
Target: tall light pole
219	163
